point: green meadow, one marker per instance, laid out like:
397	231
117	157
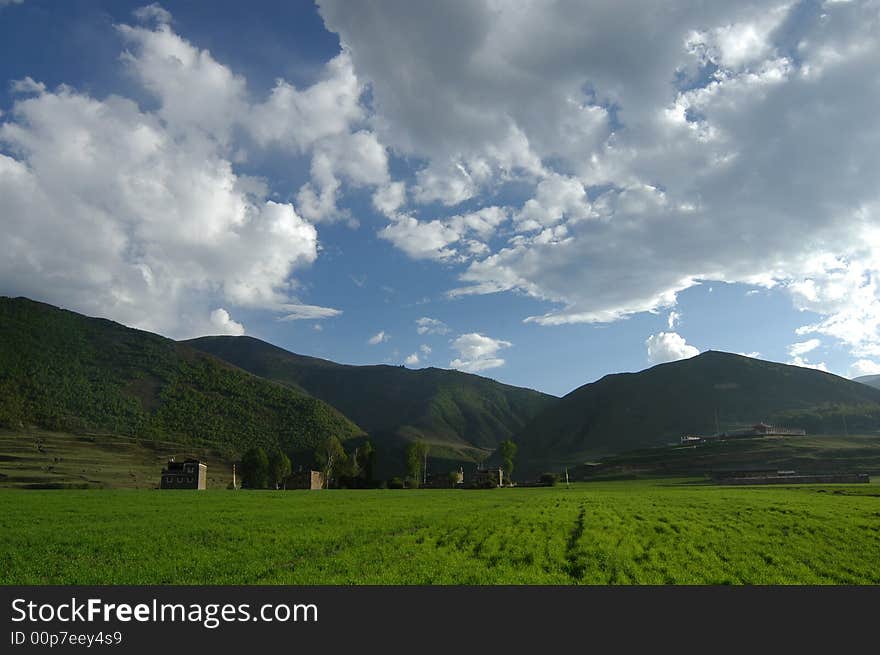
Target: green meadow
636	532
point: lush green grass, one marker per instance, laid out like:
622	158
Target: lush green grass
597	533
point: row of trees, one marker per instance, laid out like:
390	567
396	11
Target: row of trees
417	461
262	470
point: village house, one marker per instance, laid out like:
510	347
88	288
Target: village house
488	477
305	480
188	474
448	480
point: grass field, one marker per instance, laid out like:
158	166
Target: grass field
593	533
39	459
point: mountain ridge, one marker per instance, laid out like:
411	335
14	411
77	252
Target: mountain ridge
711	391
64	371
459	414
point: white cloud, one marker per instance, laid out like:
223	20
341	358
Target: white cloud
477	352
153	12
436	239
803	347
800	361
673	319
141	215
357	158
298	118
427	325
389	198
668	347
864	367
293	312
425	348
412	360
379	337
754	354
111	213
223	323
27	86
689	159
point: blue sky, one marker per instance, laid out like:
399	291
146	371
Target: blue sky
564	190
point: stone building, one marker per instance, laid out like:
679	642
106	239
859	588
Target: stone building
188	474
488	478
305	480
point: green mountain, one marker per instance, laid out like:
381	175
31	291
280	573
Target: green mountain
462	416
710	392
66	372
870	380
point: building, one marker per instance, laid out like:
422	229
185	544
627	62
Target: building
488	478
448	480
305	480
757	430
188	474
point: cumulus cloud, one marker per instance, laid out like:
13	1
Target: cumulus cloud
223	323
141	216
412	360
668	347
425	348
427	325
673	319
379	337
477	352
458	237
112	214
690	159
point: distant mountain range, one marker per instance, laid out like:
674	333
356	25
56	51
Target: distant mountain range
66	372
704	394
870	380
461	416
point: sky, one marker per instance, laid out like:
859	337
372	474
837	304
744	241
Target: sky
541	192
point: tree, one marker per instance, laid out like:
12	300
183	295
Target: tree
279	467
417	462
454	478
255	468
507	451
330	456
365	458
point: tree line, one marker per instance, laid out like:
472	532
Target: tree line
272	469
